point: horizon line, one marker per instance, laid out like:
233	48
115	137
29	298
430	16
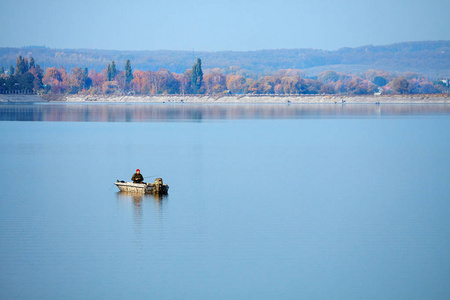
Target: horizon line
213	51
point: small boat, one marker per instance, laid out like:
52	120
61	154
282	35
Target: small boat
157	187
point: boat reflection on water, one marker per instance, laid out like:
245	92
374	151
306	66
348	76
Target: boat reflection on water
135	197
139	201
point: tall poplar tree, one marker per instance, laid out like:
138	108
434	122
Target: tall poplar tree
113	70
108	72
21	65
2	70
128	72
87	79
197	76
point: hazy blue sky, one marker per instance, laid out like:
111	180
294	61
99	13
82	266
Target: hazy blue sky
220	25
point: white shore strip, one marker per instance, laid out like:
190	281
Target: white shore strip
238	99
275	99
18	98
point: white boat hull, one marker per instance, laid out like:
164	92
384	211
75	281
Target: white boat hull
143	188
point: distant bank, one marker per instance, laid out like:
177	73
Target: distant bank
11	98
236	99
431	58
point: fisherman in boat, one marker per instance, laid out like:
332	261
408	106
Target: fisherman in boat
137	177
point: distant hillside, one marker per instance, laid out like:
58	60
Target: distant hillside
431	58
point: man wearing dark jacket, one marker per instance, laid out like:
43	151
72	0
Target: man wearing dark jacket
137	177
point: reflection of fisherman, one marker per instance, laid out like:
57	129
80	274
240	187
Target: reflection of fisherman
137	177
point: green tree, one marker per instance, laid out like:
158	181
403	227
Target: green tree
2	84
11	83
197	76
379	81
38	75
11	70
400	85
108	73
26	81
113	70
128	72
87	79
32	63
21	65
2	70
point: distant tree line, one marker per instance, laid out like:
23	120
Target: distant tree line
28	77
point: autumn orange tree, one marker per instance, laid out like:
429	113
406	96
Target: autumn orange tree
141	82
236	84
97	80
184	80
56	79
215	82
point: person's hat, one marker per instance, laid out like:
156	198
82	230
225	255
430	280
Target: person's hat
137	170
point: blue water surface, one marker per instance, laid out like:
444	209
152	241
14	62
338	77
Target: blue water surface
265	202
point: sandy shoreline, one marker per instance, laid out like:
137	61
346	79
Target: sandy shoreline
249	99
282	99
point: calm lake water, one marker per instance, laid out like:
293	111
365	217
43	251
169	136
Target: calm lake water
265	202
